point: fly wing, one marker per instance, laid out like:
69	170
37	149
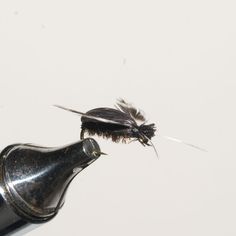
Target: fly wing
114	115
131	110
101	115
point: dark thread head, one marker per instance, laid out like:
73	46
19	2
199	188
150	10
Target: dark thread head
147	130
144	133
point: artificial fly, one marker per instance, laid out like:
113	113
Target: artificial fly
120	124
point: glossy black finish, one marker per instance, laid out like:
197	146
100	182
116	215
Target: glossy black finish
33	180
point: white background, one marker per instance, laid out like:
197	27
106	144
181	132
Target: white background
175	60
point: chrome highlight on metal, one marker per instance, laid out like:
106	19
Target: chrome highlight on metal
34	179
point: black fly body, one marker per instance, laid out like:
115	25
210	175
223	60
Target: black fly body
119	124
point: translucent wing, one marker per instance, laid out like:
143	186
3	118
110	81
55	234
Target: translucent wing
93	117
131	110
